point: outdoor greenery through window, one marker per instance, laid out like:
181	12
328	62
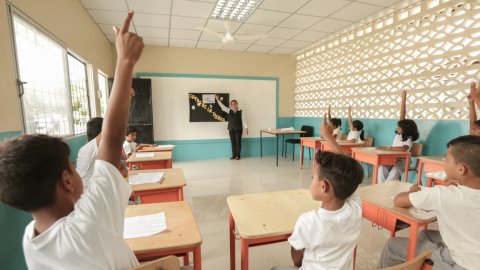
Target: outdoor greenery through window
78	86
102	86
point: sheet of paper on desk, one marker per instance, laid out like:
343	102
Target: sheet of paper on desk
144	155
145	178
165	146
285	129
144	225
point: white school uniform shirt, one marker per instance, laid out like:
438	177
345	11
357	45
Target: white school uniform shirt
354	134
227	110
397	142
129	147
329	237
86	161
458	216
91	236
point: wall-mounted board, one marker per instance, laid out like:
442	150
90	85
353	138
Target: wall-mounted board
204	108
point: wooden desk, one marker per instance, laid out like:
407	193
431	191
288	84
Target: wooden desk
266	218
155	149
312	142
432	164
347	147
380	157
161	160
433	179
379	208
277	132
182	235
170	190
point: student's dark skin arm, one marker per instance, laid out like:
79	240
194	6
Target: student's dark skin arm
475	93
297	257
403	109
129	49
473	113
123	170
327	130
350	122
403	200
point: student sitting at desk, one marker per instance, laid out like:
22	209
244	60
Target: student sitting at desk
88	153
354	136
72	229
326	238
457	244
406	134
130	146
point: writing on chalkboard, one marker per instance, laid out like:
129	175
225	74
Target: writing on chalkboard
206	107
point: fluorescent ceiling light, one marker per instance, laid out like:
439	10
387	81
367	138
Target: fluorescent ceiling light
234	10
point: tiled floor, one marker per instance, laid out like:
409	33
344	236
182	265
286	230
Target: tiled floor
211	182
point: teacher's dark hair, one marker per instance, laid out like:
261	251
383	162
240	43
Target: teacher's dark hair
233	101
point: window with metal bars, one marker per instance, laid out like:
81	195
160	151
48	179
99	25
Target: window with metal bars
79	90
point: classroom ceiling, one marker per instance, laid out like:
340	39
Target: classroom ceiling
292	26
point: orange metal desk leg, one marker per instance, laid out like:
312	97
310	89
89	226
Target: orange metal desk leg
186	260
406	168
232	242
130	166
180	194
244	244
412	242
301	153
430	182
197	258
420	170
375	174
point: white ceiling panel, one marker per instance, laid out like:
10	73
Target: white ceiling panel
151	20
253	29
282	51
111	5
270	41
186	22
286	33
355	11
405	3
156	42
245	41
209	45
108	17
350	28
192	8
322	8
300	21
152	32
330	25
219	26
150	6
383	3
295	44
184	34
182	43
235	47
382	13
267	17
310	36
283	5
209	37
260	49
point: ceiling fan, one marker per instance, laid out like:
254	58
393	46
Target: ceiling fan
228	38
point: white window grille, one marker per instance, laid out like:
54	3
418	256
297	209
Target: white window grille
102	87
78	85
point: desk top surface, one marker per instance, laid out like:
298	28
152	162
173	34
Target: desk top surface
270	214
172	178
276	131
380	195
158	156
155	149
437	159
316	139
372	150
182	230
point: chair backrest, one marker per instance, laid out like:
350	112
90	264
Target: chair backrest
124	155
416	149
421	262
343	136
368	142
165	263
308	130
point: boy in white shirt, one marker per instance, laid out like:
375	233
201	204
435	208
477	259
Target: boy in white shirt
72	229
130	146
457	244
88	153
326	238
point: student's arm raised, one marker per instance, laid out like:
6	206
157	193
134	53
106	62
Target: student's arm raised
327	131
403	109
129	49
475	93
473	113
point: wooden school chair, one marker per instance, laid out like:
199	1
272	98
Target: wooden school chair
309	133
124	157
416	151
342	136
421	262
165	263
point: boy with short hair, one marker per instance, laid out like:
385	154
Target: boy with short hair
130	146
88	153
72	229
457	244
326	238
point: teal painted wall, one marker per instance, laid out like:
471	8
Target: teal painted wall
13	222
434	135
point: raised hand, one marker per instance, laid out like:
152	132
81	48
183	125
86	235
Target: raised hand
129	45
475	92
350	110
216	97
326	129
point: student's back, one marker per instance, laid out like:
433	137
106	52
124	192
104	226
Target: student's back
88	153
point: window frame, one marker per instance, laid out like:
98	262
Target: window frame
101	73
11	11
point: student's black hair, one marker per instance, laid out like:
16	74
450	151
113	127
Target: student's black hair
94	127
337	122
466	150
30	166
343	172
409	128
359	126
130	130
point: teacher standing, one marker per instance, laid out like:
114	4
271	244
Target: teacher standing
236	118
